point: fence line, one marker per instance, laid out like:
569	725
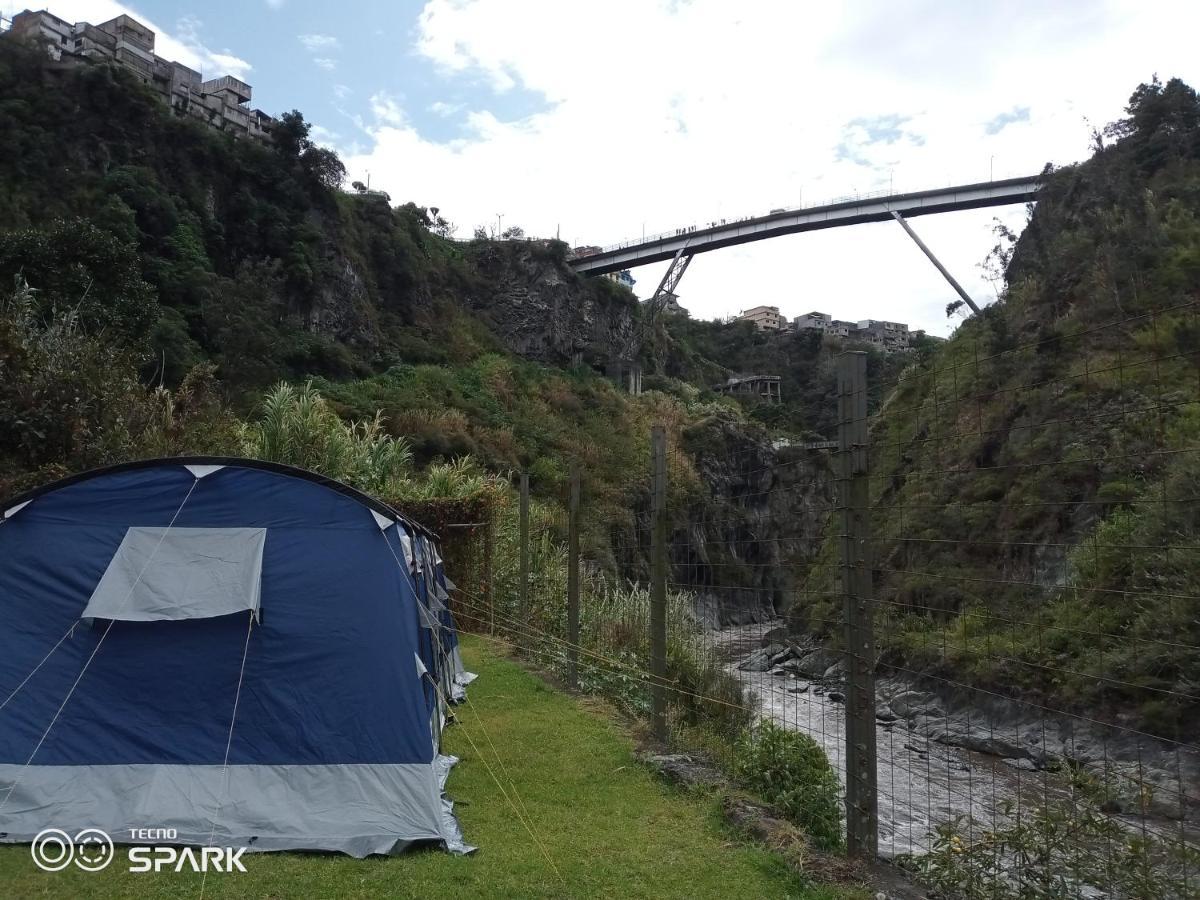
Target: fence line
980	605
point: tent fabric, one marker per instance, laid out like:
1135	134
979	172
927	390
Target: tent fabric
180	573
261	807
121	724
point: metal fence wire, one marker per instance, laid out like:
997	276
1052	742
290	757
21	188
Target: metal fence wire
980	598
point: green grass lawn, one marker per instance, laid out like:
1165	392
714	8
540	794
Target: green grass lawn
609	827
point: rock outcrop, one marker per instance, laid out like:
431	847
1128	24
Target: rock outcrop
744	549
543	311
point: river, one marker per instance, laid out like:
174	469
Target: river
921	783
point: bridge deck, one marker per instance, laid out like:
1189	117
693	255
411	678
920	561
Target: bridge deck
830	215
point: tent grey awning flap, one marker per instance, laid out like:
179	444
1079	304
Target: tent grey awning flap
162	574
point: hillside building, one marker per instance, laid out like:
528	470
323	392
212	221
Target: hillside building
813	321
887	336
825	323
624	278
764	318
765	387
221	103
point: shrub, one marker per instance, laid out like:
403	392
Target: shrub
299	428
790	770
1054	852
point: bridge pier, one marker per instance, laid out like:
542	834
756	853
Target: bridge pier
626	374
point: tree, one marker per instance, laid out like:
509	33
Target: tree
72	264
1162	125
1172	107
324	166
293	138
292	134
358	186
438	224
513	233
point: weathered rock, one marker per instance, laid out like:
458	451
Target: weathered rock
544	312
758	661
744	554
679	768
759	821
837	697
836	672
1023	763
787	653
910	704
979	739
816	664
778	635
884	714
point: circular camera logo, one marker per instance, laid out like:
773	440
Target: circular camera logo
93	849
53	850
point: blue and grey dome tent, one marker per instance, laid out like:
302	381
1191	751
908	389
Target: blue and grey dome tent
247	653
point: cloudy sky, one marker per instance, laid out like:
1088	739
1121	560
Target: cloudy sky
596	120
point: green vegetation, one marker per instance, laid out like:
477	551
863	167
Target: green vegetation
1034	478
191	247
71	400
298	427
706	353
604	826
1051	853
790	770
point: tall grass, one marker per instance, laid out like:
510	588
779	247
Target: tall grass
613	648
297	426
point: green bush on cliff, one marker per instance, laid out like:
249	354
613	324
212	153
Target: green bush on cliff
790	770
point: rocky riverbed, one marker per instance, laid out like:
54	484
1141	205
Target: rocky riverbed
941	759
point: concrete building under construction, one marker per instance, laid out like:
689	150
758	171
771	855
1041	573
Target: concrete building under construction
765	387
221	103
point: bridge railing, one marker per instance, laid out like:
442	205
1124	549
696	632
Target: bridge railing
856	197
723	222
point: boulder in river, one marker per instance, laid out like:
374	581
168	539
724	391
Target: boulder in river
910	704
775	636
816	664
764	658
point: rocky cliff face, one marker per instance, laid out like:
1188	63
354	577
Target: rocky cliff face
746	548
543	311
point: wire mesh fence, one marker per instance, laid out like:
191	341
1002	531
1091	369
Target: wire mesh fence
1033	547
979	599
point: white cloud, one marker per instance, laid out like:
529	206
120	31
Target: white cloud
211	63
322	44
387	111
317	43
673	114
275	4
444	109
342	91
324	136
